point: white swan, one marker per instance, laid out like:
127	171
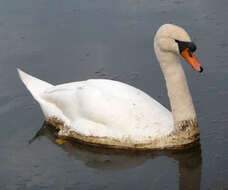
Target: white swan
114	114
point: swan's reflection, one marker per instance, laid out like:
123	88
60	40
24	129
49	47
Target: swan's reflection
189	160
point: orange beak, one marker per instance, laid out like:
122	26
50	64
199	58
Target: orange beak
190	58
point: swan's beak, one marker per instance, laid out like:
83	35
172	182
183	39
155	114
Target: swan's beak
190	57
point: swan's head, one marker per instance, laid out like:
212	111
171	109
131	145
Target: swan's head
174	39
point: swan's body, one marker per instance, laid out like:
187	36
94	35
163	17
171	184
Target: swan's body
111	113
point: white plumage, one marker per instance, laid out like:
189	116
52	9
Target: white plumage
102	108
107	112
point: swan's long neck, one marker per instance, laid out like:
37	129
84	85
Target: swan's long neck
178	91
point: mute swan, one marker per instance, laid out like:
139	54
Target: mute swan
113	114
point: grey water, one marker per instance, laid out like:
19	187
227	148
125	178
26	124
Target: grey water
62	41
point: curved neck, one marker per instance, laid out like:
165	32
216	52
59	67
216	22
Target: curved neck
178	91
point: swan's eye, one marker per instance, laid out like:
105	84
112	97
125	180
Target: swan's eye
184	45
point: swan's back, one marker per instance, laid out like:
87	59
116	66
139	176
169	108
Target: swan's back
104	108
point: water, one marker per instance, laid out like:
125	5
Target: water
63	41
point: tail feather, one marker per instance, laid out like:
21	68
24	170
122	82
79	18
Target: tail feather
34	85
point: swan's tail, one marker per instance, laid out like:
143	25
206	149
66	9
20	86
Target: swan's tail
34	85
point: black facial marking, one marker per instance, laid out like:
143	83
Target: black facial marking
189	52
183	45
